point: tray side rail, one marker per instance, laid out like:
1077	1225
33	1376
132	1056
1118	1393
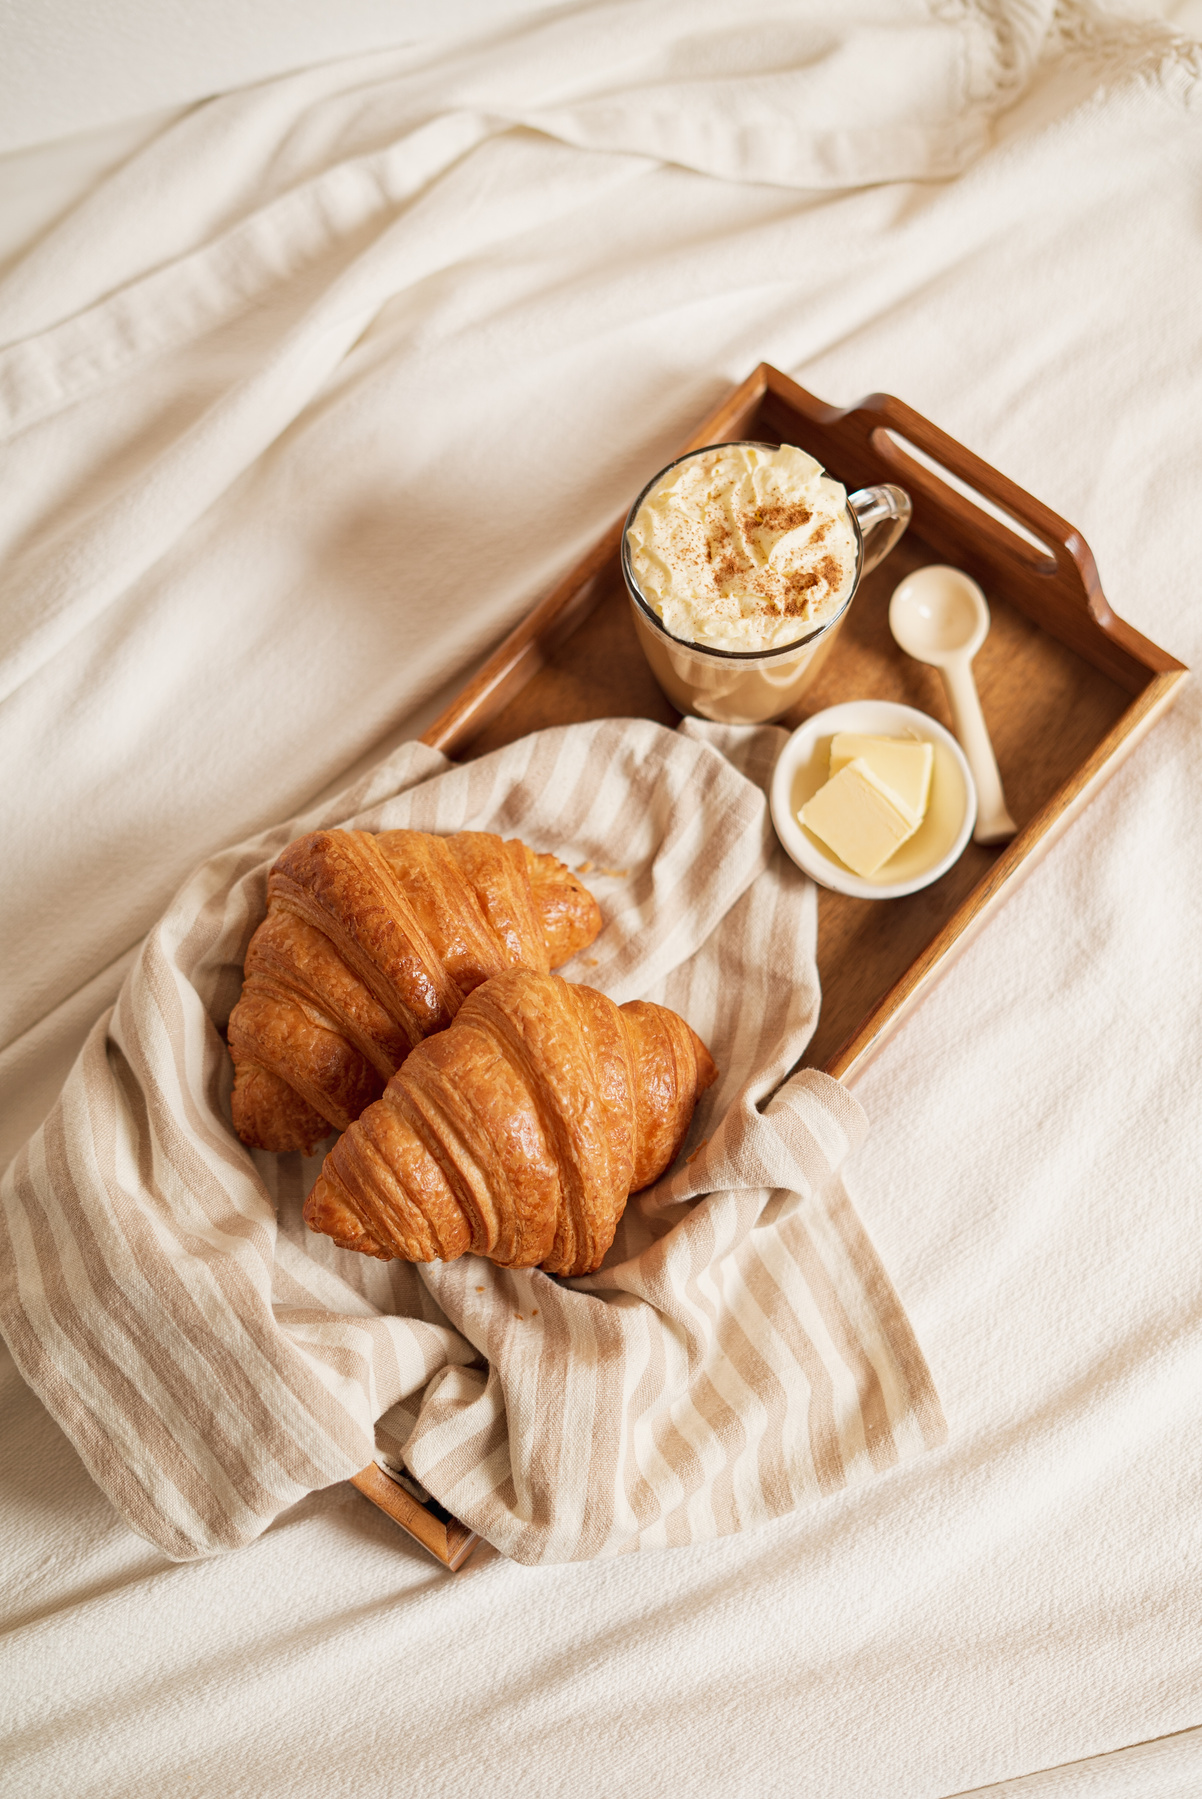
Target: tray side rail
523	652
1012	866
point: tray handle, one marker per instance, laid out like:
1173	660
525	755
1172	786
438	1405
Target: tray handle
1053	580
1059	552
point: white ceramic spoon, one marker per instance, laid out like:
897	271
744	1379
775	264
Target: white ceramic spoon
939	616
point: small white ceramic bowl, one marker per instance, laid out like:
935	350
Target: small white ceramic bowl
938	841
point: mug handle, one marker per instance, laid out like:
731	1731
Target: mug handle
882	514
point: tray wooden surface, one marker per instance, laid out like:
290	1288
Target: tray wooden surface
1067	688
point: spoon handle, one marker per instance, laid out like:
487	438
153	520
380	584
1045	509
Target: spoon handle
994	823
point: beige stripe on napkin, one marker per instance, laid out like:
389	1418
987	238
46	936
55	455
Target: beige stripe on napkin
740	1353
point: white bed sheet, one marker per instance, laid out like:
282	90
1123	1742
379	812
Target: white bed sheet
68	69
1027	1596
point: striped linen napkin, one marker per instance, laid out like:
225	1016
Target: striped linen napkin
741	1351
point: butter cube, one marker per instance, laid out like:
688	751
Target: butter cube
901	763
860	818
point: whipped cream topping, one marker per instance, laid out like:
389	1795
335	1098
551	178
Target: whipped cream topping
744	548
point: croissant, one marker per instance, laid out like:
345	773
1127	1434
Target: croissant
519	1133
370	944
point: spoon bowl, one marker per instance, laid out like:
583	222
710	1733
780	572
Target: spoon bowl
938	613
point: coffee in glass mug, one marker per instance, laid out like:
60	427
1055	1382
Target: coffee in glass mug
741	561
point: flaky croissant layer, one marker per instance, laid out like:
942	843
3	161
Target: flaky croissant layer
519	1132
372	941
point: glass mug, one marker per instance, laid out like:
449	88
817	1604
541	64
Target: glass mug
748	687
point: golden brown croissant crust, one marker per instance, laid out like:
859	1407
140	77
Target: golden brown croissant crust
519	1132
371	943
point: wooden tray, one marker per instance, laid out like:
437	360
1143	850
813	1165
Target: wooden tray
1068	688
433	1526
